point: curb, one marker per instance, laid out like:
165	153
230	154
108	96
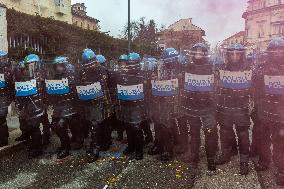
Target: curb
7	150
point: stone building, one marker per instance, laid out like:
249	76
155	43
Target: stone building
236	38
264	20
81	19
56	9
181	35
3	28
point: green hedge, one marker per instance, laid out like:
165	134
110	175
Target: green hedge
59	38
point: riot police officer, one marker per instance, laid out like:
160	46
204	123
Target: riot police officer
29	100
260	60
234	94
270	89
110	120
198	105
61	95
94	98
131	105
6	94
165	102
117	124
148	65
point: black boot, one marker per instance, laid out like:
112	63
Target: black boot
244	168
36	143
64	150
261	167
77	145
63	153
154	150
92	154
23	137
34	154
193	165
93	151
128	150
139	155
139	141
223	158
4	142
166	156
211	164
4	133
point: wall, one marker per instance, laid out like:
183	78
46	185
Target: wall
45	8
3	29
263	23
77	20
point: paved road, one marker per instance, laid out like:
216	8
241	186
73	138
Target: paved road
46	172
114	170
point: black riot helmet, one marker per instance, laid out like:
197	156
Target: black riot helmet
199	53
275	51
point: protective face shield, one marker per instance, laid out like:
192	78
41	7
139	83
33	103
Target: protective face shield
122	66
59	65
235	56
132	65
30	69
170	58
149	64
199	54
60	68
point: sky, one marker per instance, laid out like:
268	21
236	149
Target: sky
219	18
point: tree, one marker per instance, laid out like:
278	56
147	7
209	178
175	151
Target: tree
143	32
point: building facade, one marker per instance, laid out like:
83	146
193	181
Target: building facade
181	35
81	19
3	29
264	20
236	38
56	9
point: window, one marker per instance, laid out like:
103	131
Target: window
277	29
94	27
88	26
260	30
81	24
59	2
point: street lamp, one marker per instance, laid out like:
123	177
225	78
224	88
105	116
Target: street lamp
129	39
